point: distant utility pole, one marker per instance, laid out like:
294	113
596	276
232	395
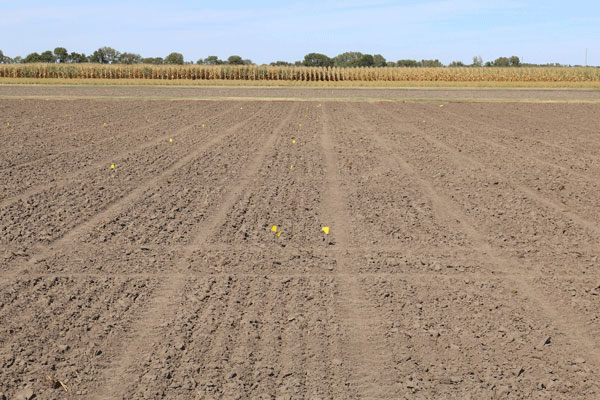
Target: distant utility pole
586	56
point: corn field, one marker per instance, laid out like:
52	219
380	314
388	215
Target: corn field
300	74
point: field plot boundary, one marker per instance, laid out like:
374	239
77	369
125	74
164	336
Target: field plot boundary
299	247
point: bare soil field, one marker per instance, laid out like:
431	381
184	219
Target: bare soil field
175	249
409	94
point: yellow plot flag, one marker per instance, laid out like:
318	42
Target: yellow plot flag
170	140
325	229
203	125
274	228
112	166
278	234
300	125
291	167
293	140
105	124
441	105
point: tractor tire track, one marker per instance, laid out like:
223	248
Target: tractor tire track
370	364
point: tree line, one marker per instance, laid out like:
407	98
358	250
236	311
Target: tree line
108	55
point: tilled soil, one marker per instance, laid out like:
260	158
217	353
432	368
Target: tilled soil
461	260
299	92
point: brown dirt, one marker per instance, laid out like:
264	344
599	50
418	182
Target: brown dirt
302	93
462	260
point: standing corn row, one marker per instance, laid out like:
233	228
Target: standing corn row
299	73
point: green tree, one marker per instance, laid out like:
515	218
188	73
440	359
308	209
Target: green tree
105	55
174	58
455	64
130	58
514	61
211	60
235	60
317	60
62	55
477	61
280	64
431	63
347	59
153	60
365	61
379	61
32	58
408	63
48	57
3	58
77	58
501	62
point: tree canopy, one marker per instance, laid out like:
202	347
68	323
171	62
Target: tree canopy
174	58
108	55
317	60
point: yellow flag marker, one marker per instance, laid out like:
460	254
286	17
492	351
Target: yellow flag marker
291	167
300	125
441	105
325	229
278	234
105	124
274	228
293	140
203	125
319	105
112	166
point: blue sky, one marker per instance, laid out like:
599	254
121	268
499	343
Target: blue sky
264	31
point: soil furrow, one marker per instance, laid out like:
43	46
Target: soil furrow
64	149
22	151
172	287
60	172
582	169
564	318
35	120
522	221
478	163
153	164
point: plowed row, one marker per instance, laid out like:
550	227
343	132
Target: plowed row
461	262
